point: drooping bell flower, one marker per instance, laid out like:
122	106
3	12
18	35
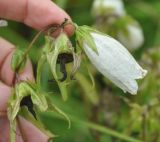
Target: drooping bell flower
111	58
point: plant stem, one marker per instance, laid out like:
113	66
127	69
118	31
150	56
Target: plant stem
28	49
101	129
144	124
108	131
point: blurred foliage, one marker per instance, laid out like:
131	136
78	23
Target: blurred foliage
117	117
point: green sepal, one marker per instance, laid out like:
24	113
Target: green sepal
14	106
38	98
62	45
21	90
41	62
83	35
16	63
52	60
14	101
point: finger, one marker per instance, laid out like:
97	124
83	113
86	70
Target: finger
31	133
5	92
7	74
4	131
35	13
5	49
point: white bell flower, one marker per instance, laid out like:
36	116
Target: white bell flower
114	61
112	6
134	39
3	23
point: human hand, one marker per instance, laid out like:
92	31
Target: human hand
36	14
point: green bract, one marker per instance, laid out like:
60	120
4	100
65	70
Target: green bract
83	34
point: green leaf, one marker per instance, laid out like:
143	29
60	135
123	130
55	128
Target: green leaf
17	58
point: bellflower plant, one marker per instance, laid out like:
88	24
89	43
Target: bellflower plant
111	58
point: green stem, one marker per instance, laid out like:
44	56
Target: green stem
101	129
28	49
108	131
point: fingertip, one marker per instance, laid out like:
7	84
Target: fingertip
7	74
31	132
45	14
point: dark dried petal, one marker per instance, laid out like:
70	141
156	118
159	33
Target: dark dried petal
26	101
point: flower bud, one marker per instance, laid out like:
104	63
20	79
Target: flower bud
134	37
108	7
3	23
